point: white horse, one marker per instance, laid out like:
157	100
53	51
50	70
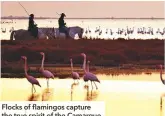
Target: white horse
23	34
46	33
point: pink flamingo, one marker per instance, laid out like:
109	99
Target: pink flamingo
75	75
31	79
163	80
45	73
89	76
88	66
85	77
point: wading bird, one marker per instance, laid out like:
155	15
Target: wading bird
85	77
89	76
31	79
47	74
75	75
88	66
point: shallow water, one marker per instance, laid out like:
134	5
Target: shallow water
123	95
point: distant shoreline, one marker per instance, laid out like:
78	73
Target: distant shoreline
75	18
65	72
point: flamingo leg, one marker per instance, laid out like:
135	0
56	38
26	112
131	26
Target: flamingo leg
71	95
161	102
77	81
74	81
87	93
95	85
34	89
71	92
86	83
47	83
91	85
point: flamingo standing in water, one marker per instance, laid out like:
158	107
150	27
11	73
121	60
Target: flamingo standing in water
45	73
75	75
163	80
31	79
3	31
88	75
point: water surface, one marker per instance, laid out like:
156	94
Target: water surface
131	95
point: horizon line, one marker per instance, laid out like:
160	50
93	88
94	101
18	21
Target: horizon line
40	17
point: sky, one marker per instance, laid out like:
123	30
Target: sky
86	9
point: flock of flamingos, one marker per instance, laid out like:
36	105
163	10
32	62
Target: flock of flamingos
88	76
127	33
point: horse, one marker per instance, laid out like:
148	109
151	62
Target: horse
72	32
46	32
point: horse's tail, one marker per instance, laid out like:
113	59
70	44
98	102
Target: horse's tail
12	35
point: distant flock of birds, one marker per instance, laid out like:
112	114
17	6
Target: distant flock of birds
124	31
88	76
8	22
4	30
120	32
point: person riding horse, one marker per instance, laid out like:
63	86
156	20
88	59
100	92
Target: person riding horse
33	29
62	25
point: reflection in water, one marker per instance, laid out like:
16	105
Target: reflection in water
34	97
124	95
47	94
161	105
91	95
72	89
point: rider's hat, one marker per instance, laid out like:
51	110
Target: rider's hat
31	15
63	15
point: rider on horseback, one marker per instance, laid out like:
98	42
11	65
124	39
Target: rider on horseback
62	25
33	29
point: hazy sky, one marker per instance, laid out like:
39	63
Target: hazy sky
136	9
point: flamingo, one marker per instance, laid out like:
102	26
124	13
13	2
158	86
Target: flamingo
85	77
75	75
106	31
88	75
31	79
3	31
88	66
45	73
163	80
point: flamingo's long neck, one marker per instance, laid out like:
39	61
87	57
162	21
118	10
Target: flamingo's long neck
71	66
42	64
25	68
88	67
84	64
161	76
